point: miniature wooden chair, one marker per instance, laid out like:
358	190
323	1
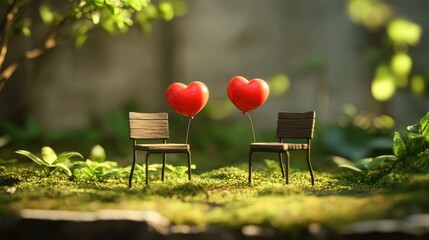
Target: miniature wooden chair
153	126
289	126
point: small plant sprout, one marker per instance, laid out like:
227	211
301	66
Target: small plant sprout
97	171
140	171
50	161
96	167
272	165
97	154
418	137
179	171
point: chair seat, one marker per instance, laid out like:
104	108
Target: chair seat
276	147
163	147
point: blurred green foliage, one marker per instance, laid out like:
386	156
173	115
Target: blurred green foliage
359	134
414	149
110	15
59	21
390	52
373	14
279	84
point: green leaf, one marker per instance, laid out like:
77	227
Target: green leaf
272	164
80	30
137	168
181	170
351	167
32	157
383	85
67	155
380	160
23	26
415	144
91	165
46	14
98	3
401	64
49	16
135	4
152	168
344	163
108	164
151	12
415	128
48	155
78	164
424	126
86	172
110	173
399	148
64	168
364	162
404	31
167	10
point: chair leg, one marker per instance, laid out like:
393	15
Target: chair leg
281	165
250	168
189	165
132	169
164	157
287	166
147	168
310	168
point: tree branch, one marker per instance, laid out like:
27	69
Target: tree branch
51	41
10	16
5	74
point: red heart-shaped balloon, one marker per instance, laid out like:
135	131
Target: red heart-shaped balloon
247	95
187	100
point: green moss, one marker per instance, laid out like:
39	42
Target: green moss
223	197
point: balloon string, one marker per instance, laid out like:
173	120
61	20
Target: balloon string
187	131
253	129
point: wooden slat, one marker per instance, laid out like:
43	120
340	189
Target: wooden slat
295	125
165	147
148	125
141	133
295	134
297	115
147	116
277	147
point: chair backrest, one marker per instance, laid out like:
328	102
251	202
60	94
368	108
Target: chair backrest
296	125
148	125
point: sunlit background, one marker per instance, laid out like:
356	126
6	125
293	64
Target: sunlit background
360	64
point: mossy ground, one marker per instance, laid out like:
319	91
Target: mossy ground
223	196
